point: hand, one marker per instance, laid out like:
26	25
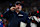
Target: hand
12	8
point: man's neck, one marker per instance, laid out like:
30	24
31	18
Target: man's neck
17	12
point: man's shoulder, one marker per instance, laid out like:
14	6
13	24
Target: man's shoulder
7	12
23	13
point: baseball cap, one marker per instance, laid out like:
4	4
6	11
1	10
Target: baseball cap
18	2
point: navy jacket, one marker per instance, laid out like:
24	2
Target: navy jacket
14	18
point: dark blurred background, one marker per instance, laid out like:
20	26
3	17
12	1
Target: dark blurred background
28	4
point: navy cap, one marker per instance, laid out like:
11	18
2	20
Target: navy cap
18	2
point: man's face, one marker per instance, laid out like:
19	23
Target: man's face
18	7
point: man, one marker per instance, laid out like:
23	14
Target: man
16	15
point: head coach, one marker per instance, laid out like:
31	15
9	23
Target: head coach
15	15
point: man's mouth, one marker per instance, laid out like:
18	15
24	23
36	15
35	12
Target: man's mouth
18	7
